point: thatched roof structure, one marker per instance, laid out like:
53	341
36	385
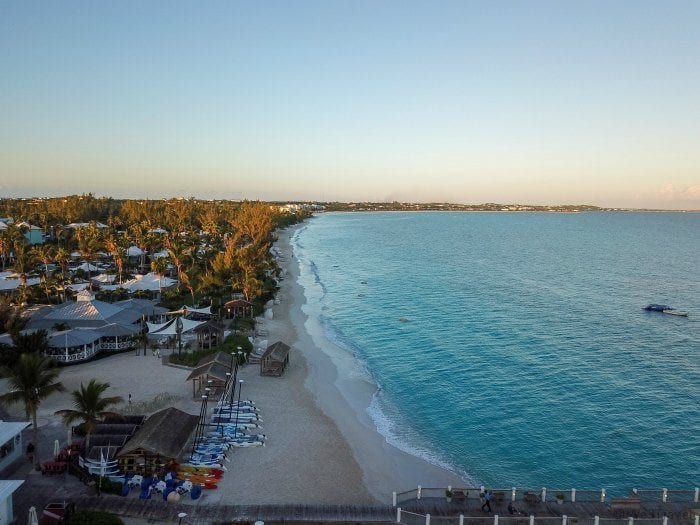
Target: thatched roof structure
165	433
275	359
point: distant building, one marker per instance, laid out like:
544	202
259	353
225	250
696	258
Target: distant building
33	234
7	488
10	443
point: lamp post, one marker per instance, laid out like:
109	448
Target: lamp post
180	516
178	331
240	387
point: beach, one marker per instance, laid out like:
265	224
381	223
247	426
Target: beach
322	447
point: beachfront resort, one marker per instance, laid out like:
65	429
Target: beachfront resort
187	388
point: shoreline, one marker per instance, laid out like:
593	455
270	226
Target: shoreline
344	393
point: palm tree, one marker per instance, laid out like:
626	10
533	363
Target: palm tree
32	379
159	266
90	407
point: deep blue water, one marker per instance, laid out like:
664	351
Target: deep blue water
512	347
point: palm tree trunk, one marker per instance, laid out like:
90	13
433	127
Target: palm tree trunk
35	432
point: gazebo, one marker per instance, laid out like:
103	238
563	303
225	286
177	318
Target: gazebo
274	360
211	368
238	308
209	333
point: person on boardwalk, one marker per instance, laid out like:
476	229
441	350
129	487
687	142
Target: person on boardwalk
487	501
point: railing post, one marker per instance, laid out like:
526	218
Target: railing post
461	519
573	495
393	498
563	519
398	515
495	519
664	495
544	494
596	520
602	497
427	519
630	521
418	492
697	519
512	494
697	495
532	520
665	522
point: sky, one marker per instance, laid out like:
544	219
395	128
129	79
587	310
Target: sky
509	101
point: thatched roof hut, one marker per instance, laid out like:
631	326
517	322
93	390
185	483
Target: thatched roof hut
159	441
211	368
275	359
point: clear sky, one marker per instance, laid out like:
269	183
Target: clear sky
538	102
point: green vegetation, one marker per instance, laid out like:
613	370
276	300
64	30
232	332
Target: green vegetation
230	344
91	407
32	379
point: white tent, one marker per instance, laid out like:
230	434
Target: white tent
105	278
203	311
170	327
150	282
88	267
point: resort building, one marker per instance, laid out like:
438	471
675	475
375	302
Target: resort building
161	440
33	234
79	330
7	488
275	359
11	442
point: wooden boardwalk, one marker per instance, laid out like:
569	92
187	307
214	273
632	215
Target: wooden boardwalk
162	512
440	510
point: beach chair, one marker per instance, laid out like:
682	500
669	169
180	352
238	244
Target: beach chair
135	481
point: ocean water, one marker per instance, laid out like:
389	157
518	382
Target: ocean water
512	347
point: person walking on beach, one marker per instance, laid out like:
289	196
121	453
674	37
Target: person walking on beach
487	501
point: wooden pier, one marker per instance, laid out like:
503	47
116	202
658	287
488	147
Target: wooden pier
424	511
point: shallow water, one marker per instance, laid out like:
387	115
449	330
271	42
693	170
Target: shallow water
512	348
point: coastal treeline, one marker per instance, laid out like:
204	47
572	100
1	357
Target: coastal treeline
215	250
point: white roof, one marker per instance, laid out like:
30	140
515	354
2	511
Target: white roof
85	225
162	253
8	486
134	251
87	267
170	328
151	282
105	278
11	281
158	230
9	429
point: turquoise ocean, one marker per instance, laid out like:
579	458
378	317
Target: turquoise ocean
512	348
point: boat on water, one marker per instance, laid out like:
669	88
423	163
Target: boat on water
665	309
673	311
656	307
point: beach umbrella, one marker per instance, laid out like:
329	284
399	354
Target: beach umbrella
56	448
32	518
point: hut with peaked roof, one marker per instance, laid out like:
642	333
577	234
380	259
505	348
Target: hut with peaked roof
161	440
209	333
274	360
238	308
212	368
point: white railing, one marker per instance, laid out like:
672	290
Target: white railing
546	494
414	518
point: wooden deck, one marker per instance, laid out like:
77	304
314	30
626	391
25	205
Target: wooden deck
439	509
160	511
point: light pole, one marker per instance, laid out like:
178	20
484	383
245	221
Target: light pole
178	331
180	516
240	387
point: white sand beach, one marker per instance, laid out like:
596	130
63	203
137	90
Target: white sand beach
322	447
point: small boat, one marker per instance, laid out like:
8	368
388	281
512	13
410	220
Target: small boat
656	307
673	311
